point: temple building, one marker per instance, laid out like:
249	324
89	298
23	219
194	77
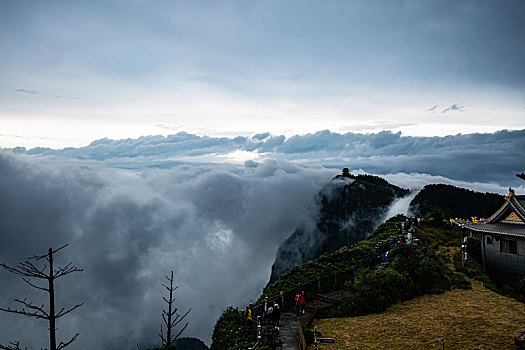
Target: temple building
503	240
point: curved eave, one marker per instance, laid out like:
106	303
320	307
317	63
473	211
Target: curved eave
515	204
515	230
499	213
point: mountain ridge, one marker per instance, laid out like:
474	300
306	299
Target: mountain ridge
351	207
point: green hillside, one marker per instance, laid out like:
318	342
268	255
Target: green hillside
415	270
455	202
351	207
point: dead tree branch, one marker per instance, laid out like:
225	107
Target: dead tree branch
171	318
12	346
62	345
28	270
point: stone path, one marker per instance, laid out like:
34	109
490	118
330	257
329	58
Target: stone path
288	330
289	320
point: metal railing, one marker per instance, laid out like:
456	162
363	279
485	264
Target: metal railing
259	335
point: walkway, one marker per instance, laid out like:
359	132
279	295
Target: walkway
289	320
288	331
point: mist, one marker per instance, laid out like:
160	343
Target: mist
400	205
130	219
217	227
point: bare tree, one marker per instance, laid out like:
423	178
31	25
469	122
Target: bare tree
12	346
171	318
29	270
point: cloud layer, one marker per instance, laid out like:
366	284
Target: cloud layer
471	157
132	210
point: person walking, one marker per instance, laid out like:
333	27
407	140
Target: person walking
270	316
248	313
265	307
302	302
276	315
297	304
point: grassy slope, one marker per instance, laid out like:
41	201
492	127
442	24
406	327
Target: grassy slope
476	318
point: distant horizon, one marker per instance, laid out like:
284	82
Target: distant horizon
232	135
476	157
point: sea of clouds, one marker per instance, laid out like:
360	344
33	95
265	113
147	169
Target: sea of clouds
213	210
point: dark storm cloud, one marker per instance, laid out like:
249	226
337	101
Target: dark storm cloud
378	41
217	227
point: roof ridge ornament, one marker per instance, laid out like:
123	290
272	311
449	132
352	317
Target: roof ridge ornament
521	176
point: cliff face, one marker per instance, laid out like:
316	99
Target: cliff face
351	207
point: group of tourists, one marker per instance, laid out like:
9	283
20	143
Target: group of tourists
409	224
406	229
270	312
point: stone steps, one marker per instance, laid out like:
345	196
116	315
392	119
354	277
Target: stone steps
289	320
288	330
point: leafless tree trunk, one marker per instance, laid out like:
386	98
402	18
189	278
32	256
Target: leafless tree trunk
12	346
28	270
171	318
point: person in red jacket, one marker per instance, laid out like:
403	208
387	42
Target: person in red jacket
302	302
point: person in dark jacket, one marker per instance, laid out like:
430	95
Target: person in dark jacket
264	309
276	315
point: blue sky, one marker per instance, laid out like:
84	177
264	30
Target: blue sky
75	71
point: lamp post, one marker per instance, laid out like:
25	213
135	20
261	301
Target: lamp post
464	251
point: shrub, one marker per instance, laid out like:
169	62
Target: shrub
414	270
424	271
474	248
381	287
230	333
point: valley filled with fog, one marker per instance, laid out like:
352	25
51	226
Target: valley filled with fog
213	210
